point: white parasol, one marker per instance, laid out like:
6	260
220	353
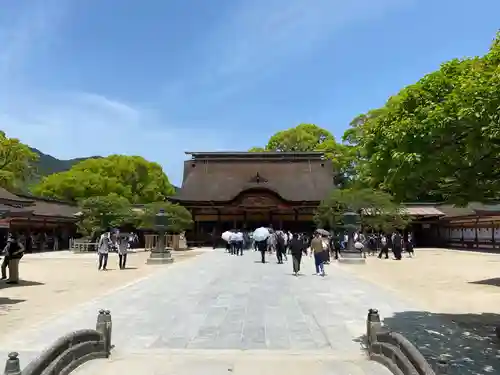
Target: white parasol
226	236
261	234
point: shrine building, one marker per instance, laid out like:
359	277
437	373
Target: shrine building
246	190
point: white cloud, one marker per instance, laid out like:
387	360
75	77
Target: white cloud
83	124
77	124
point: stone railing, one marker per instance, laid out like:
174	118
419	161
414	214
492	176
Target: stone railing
395	351
69	351
82	246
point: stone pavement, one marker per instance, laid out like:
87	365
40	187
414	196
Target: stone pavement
212	362
217	301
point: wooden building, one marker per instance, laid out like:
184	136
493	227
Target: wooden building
42	224
476	226
226	190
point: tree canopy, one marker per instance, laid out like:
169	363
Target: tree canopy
310	137
101	213
15	162
132	177
377	209
179	218
439	138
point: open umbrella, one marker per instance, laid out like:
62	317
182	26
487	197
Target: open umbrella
323	232
226	236
261	234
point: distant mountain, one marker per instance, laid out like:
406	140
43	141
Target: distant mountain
47	164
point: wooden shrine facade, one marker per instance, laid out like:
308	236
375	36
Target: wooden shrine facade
41	224
227	190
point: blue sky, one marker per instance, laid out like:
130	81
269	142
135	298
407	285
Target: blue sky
160	77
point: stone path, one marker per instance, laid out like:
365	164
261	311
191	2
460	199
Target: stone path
217	301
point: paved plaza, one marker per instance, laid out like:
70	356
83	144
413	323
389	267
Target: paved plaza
217	301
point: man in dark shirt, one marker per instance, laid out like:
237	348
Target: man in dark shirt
297	247
15	251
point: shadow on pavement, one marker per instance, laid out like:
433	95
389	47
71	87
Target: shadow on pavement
492	282
6	303
4	284
467	341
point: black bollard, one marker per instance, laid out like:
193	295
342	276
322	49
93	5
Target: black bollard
12	365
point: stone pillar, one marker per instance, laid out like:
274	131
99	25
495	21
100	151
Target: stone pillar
12	365
373	325
104	326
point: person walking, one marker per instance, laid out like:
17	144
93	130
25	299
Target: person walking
123	245
262	247
317	249
384	247
14	252
280	247
297	248
103	247
239	242
409	246
397	245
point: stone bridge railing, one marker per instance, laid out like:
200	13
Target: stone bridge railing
69	351
395	351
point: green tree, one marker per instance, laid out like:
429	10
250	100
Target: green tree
101	213
16	161
179	217
133	177
438	138
257	149
304	137
310	137
377	209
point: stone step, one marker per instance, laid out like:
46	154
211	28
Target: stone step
216	362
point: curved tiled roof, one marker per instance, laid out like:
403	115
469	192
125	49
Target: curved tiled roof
223	180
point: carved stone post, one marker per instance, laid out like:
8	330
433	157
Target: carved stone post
373	325
12	365
104	327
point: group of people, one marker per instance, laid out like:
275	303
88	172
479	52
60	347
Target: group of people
321	245
12	252
114	241
382	243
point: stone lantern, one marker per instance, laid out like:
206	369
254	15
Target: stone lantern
352	223
161	254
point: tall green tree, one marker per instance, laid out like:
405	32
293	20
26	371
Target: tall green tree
100	213
179	218
377	210
133	177
16	161
310	137
438	138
